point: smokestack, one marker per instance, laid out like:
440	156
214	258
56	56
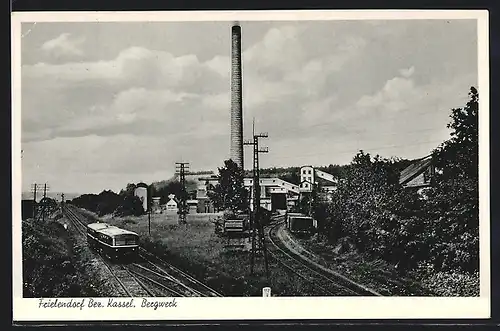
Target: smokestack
236	101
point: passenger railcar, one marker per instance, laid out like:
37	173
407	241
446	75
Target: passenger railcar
300	224
112	242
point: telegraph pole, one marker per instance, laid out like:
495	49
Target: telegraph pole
181	169
149	210
33	189
255	221
62	202
44	201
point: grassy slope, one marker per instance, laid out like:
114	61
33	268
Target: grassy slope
54	264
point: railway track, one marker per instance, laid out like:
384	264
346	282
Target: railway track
149	276
324	282
185	280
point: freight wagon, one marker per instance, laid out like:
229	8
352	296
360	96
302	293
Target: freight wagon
300	224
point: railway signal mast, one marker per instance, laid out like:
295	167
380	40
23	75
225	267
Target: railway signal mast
182	168
255	219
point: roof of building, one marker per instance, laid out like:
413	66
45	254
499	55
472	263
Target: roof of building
417	167
142	184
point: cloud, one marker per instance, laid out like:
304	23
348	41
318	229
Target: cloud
64	45
155	88
321	90
407	72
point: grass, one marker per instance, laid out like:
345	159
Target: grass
55	264
373	273
195	248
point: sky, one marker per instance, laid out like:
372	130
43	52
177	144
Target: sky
106	104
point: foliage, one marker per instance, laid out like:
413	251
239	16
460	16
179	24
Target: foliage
453	202
402	226
173	186
107	202
230	193
449	283
49	265
49	204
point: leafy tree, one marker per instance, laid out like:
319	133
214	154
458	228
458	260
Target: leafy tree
130	205
230	192
453	202
388	221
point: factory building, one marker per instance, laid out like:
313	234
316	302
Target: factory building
275	193
310	177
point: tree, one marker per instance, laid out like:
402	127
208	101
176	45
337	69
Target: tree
130	205
453	203
230	192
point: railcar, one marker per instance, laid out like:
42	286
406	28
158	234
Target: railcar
112	242
300	224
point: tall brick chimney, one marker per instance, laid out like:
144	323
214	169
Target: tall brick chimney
236	97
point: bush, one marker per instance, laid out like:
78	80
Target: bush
49	266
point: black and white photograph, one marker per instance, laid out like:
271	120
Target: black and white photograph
333	159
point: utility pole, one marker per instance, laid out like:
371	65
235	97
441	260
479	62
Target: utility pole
33	189
181	169
44	201
149	211
255	220
62	202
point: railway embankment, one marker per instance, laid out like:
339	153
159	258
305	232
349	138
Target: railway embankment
56	263
344	259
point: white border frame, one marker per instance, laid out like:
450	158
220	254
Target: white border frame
272	307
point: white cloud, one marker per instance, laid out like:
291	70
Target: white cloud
64	45
407	72
103	119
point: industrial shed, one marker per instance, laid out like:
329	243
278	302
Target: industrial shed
418	174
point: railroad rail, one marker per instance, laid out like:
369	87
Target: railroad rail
326	282
150	276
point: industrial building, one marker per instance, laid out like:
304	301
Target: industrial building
419	174
276	194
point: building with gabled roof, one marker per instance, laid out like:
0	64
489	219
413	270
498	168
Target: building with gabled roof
418	174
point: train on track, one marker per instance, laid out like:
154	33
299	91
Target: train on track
300	224
112	242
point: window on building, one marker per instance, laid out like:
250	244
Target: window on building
309	172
